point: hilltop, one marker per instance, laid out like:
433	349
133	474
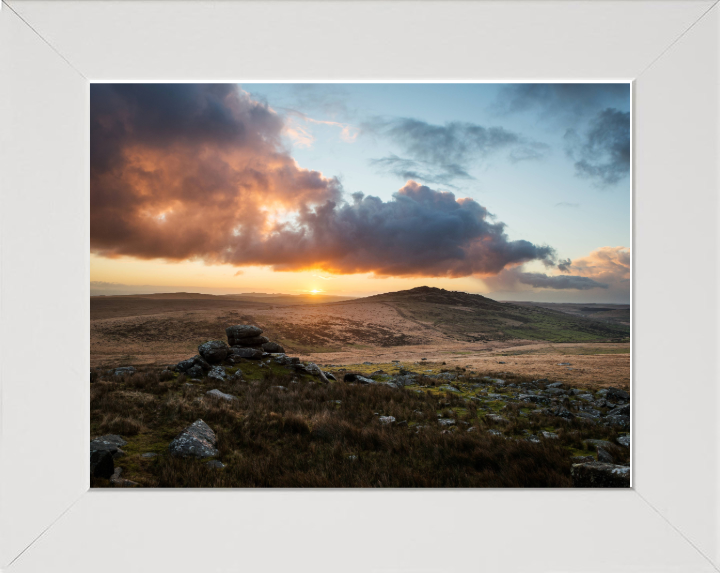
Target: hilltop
472	318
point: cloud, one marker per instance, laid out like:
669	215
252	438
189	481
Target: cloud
420	232
560	282
567	205
607	264
199	172
566	100
516	279
444	153
184	171
424	171
297	128
564	265
602	153
607	268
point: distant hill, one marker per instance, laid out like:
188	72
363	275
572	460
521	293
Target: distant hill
103	307
472	317
608	313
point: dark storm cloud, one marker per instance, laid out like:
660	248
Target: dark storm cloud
560	99
602	152
444	153
198	172
421	232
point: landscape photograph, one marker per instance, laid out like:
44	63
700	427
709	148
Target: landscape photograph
360	285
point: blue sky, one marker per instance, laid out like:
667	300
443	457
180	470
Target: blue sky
542	200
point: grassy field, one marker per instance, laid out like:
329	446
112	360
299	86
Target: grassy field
311	434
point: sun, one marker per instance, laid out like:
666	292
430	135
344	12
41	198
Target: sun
315	291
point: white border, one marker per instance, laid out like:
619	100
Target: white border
48	520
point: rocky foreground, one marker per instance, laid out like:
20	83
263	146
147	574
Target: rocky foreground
244	413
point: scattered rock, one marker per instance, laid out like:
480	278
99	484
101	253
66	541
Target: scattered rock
554	385
149	455
586	397
200	361
387	419
619	421
123	483
111	439
404	380
214	351
217	374
582	459
167	375
446	376
596	443
102	464
533	398
549	435
623	441
195	372
589	414
215	464
185	365
497	419
358	378
446	421
534	439
604	456
197	440
330	376
352	457
124	371
215	393
495	432
313	370
614	393
600	475
620	411
449	389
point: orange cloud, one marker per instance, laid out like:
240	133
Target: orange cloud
198	172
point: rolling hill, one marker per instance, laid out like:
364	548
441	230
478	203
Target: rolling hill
472	318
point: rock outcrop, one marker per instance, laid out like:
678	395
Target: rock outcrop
214	351
236	334
273	348
238	353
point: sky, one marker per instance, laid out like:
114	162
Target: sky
513	191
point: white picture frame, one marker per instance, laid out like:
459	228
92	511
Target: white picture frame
51	521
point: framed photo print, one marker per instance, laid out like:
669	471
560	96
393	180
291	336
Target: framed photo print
396	277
